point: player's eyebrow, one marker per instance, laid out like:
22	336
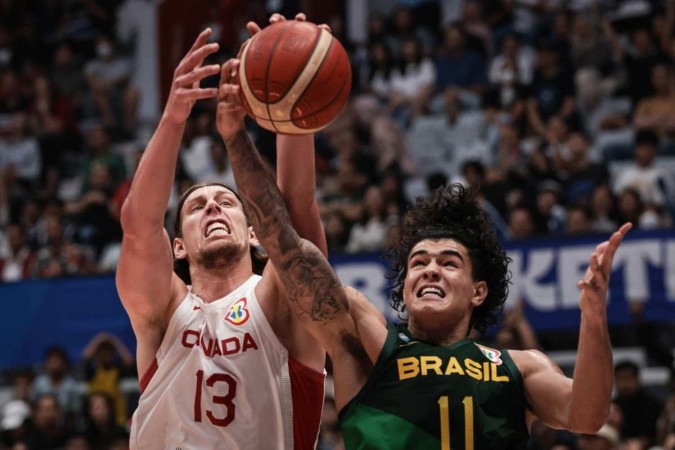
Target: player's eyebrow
447	252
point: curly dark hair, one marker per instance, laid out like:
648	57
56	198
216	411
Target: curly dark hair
452	212
181	266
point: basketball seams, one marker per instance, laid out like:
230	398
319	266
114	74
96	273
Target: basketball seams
304	79
284	99
267	72
311	56
332	100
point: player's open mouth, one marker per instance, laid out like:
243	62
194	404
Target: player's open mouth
217	229
430	290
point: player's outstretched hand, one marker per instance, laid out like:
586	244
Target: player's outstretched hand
230	114
595	284
254	28
185	90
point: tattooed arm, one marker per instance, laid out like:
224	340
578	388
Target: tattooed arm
341	319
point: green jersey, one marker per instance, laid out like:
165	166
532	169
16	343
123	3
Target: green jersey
464	396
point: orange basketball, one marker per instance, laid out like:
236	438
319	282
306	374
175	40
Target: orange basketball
295	77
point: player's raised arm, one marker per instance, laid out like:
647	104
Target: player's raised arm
580	404
313	289
145	279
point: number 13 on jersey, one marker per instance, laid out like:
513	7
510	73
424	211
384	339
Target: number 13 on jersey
443	404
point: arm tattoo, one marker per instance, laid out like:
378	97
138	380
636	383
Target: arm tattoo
313	289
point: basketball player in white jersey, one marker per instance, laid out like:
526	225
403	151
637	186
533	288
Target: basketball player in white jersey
223	362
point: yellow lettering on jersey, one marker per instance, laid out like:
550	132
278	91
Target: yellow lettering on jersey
496	376
454	367
473	369
408	367
431	363
486	371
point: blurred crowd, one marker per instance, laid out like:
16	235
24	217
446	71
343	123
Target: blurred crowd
86	404
559	112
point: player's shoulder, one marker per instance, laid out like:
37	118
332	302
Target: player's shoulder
531	361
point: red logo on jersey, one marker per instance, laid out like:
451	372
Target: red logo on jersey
238	314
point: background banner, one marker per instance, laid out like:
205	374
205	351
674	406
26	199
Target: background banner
69	312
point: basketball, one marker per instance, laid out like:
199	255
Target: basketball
295	77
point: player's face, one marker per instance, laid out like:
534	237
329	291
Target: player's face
439	288
215	232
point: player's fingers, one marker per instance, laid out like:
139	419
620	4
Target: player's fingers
201	40
613	245
326	27
228	89
196	94
594	277
276	17
197	75
228	70
195	58
252	28
301	17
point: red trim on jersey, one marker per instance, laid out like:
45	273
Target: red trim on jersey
307	393
145	380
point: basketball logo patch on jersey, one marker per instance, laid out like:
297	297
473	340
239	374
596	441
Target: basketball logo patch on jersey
238	314
490	353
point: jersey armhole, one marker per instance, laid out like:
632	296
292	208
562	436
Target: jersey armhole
385	352
307	393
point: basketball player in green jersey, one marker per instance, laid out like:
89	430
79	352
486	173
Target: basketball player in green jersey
425	385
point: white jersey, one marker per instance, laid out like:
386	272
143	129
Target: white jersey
222	380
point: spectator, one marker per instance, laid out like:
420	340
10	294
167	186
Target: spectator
411	82
108	76
458	68
20	155
603	208
381	66
598	112
637	59
49	429
368	234
551	92
630	207
106	361
550	215
337	231
655	113
652	182
92	213
57	381
14	426
60	256
666	422
101	153
101	427
578	221
69	83
579	173
640	409
589	47
17	263
521	224
512	70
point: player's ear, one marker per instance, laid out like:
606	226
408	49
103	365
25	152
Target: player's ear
480	291
253	239
179	249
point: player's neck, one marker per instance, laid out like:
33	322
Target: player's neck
438	335
213	284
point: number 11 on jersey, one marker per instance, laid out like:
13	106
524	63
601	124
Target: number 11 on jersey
444	406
